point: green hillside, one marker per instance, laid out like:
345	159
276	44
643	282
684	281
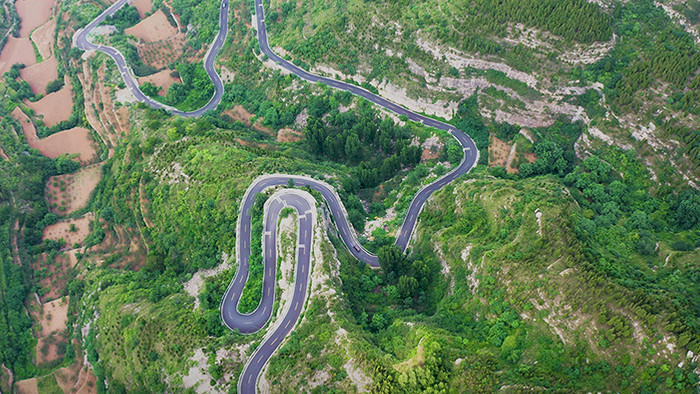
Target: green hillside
566	260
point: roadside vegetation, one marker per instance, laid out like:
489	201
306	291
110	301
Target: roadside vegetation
573	269
648	71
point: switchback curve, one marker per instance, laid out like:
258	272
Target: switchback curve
80	40
248	323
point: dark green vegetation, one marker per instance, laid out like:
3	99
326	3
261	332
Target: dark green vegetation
653	66
195	90
252	292
192	226
573	20
649	74
9	23
504	275
124	18
470	121
204	15
131	54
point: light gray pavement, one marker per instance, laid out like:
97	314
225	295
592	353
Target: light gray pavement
81	40
249	323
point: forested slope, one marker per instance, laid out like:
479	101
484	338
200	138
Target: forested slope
570	263
629	68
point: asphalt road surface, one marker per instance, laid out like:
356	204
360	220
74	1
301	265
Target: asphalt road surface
470	151
81	41
248	323
253	322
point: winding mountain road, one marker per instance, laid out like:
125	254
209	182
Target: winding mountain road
299	200
249	323
81	40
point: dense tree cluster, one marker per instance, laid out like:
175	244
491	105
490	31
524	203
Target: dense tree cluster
573	20
21	88
621	220
195	90
377	149
652	55
203	16
252	292
124	18
554	150
408	279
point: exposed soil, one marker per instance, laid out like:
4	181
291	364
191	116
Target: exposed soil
238	113
120	240
54	271
6	378
54	275
62	230
87	383
77	377
33	14
432	146
289	135
161	53
75	140
143	6
47	348
74	378
43	38
154	28
55	107
53	316
3	155
16	50
39	75
162	79
27	386
69	192
498	152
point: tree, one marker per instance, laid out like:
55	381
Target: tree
353	148
54	86
150	89
393	261
407	286
687	209
66	165
272	117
